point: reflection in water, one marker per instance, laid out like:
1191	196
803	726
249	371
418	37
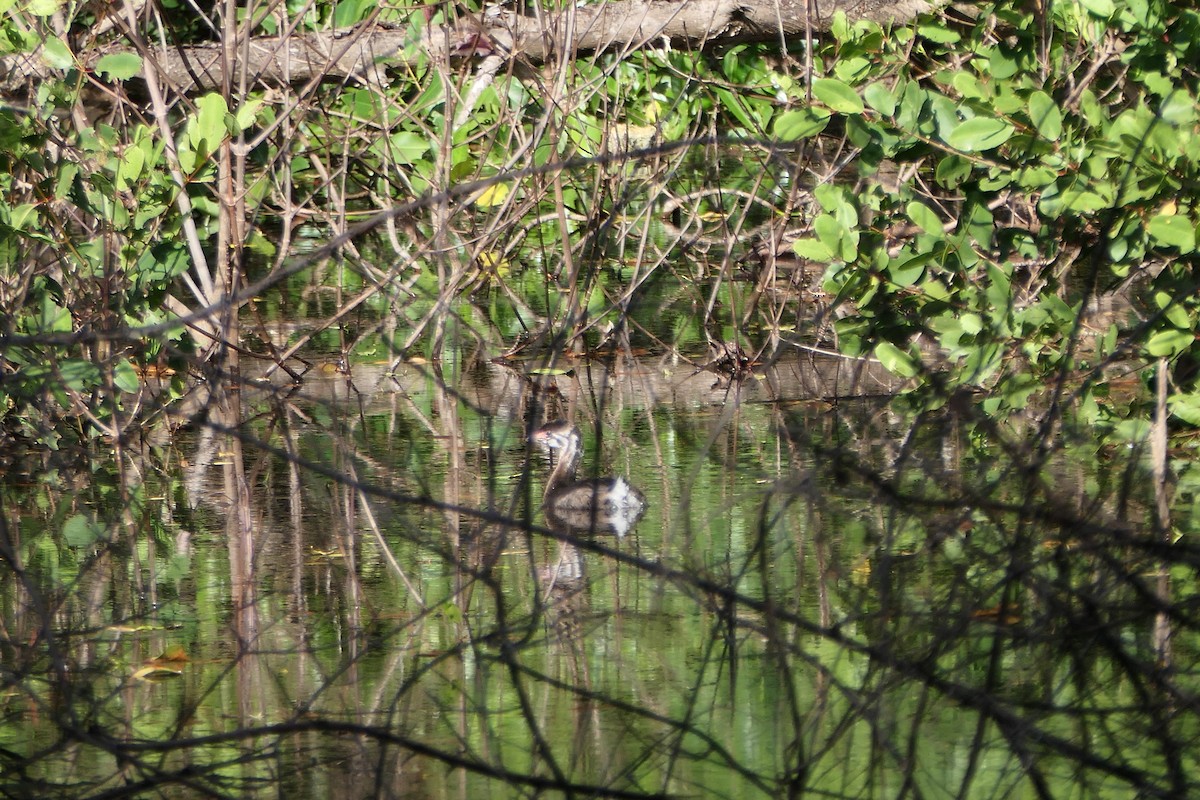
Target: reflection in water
816	574
595	505
563	583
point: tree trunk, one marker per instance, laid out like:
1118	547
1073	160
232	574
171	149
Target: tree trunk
615	24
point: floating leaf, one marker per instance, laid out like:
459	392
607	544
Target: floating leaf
157	672
492	264
978	134
175	654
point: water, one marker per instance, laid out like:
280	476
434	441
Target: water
809	603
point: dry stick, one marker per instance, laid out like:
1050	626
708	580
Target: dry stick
231	176
484	76
365	503
204	293
1162	517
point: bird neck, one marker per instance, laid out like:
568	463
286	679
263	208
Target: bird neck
566	462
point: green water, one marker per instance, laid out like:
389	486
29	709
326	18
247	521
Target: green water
398	622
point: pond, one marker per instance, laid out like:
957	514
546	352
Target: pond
349	588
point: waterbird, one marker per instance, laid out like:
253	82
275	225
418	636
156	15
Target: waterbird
591	505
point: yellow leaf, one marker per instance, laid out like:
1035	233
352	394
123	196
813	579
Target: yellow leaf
157	672
492	263
493	195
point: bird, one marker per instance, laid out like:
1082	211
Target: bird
591	505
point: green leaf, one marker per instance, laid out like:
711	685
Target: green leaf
129	169
969	87
1186	407
1166	344
208	127
408	147
1174	311
938	33
840	26
971	323
119	66
247	114
1172	231
24	216
801	123
1045	116
1099	8
348	13
952	170
813	250
999	289
837	201
1036	177
1072	199
126	378
78	374
908	273
56	53
1178	108
838	96
835	235
852	68
81	532
1132	430
880	98
896	361
924	217
53	317
978	134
